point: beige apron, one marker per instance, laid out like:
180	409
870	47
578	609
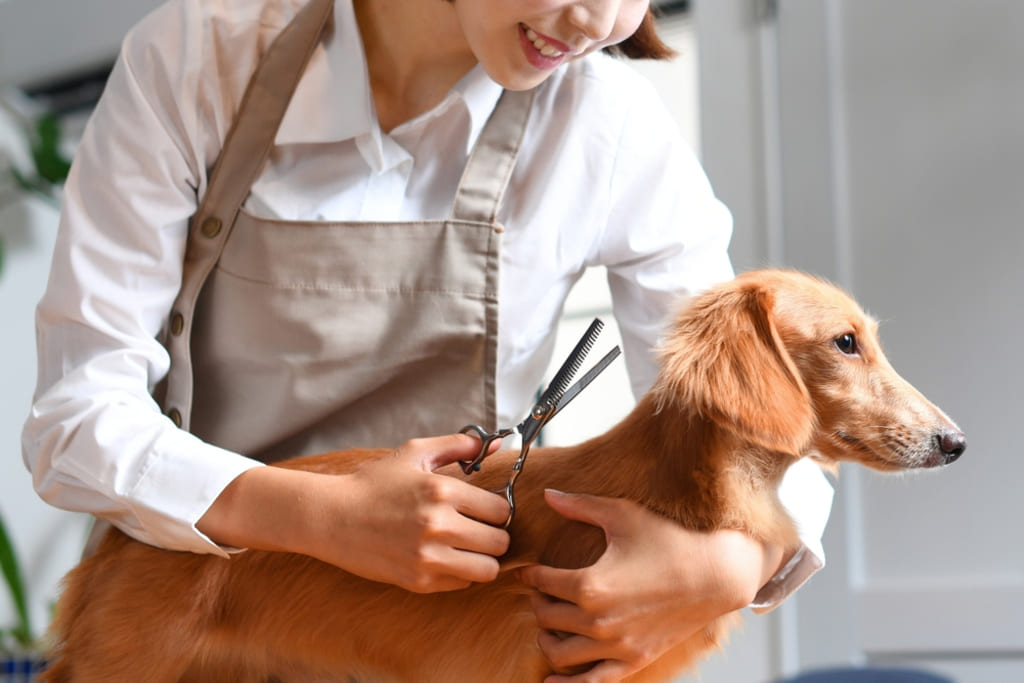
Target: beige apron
291	338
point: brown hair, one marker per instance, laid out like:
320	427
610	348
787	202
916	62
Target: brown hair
644	43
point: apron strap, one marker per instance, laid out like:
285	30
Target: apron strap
246	147
263	106
490	164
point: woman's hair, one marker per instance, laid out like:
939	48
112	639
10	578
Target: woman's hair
644	43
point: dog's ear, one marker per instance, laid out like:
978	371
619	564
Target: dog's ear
725	359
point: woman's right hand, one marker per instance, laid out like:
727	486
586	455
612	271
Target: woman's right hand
393	520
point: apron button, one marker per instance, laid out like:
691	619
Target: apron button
175	417
177	324
211	226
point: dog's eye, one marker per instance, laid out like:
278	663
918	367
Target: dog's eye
847	343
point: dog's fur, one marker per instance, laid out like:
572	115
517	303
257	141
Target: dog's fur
752	379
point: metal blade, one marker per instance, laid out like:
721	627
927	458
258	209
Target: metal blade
586	379
561	380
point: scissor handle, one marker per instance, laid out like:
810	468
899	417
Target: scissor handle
486	439
511	498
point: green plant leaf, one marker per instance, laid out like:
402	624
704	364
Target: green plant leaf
50	166
22	631
50	163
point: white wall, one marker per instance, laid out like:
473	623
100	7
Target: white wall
45	39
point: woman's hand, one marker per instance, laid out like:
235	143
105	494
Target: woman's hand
655	585
393	520
423	531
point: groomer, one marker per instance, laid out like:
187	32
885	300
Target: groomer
293	227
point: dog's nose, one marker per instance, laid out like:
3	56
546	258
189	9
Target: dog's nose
952	443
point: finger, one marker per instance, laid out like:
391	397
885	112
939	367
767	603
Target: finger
479	504
473	536
563	584
444	568
606	671
470	500
473	567
435	584
561	616
438	451
572	651
581	507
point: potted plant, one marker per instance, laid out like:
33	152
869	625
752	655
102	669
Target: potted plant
46	158
21	652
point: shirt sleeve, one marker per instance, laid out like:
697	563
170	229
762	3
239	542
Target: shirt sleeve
95	439
667	238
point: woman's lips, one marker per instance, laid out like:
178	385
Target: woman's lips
543	52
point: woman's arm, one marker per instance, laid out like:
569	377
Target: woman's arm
95	438
392	520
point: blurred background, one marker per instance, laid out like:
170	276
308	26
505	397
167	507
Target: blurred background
878	143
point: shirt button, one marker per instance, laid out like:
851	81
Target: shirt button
177	324
211	226
175	416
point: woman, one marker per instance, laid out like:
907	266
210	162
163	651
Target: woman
294	227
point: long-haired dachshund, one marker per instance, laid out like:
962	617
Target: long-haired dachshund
755	373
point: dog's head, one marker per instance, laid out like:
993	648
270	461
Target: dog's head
792	364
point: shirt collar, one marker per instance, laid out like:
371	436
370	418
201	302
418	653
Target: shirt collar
480	95
332	101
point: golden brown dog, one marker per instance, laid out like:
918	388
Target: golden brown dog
756	373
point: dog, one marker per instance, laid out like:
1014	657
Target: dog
770	367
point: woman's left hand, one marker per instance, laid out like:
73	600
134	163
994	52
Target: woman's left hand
655	585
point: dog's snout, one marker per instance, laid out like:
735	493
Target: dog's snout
952	443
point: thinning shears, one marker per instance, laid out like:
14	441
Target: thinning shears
550	403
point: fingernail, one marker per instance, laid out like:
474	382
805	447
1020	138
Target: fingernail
556	492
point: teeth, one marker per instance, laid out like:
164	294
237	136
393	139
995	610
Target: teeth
542	45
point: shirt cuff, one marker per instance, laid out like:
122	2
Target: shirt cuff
792	575
176	491
807	496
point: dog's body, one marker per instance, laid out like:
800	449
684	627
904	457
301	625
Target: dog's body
755	374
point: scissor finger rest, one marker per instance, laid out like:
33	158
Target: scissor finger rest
486	439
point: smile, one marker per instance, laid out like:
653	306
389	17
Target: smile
543	46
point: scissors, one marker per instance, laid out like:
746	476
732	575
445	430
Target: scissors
550	403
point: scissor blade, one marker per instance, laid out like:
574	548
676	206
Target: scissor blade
561	380
586	379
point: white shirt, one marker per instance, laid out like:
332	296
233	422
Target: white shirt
603	178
